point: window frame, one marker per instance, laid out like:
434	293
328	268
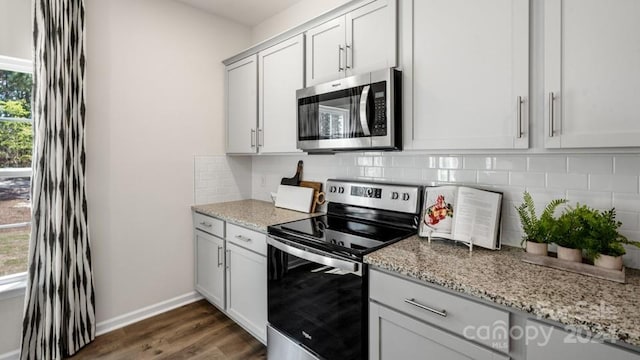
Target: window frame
13	285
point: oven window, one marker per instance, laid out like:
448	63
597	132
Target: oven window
334	115
322	307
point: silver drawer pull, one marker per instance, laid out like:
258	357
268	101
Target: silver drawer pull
205	224
413	302
243	238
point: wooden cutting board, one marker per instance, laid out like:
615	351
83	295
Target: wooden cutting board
317	187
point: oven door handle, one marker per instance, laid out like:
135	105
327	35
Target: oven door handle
314	257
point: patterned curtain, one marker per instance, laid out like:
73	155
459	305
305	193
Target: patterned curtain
59	316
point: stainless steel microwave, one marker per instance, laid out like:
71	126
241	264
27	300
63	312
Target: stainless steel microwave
361	112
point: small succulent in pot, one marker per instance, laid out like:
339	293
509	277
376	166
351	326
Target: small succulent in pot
537	230
604	242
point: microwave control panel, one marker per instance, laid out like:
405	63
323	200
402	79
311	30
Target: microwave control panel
379	91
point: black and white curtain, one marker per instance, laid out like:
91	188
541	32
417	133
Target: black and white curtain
59	316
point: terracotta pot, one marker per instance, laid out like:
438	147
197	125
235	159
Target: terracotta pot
568	254
535	248
608	262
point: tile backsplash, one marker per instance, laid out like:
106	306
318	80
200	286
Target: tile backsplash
598	180
221	178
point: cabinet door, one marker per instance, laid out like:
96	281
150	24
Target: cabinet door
325	52
466	73
210	267
393	335
247	290
592	52
555	343
242	105
371	37
281	74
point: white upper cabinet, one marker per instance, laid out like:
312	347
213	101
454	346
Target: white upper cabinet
465	73
281	69
592	73
360	41
242	101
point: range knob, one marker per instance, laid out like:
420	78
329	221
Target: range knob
333	189
341	190
395	195
405	196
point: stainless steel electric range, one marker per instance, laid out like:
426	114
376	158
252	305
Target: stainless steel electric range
317	281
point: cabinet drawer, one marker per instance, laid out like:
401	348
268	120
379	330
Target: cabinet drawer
208	224
246	238
476	322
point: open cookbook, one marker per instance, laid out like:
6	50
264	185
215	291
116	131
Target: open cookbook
462	214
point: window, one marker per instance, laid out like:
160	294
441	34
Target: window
16	143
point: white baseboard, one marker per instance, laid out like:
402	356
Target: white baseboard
130	318
12	355
146	312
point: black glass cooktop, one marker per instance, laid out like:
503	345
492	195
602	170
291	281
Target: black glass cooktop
340	234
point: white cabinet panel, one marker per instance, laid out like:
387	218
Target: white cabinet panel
281	72
467	67
592	52
247	289
209	274
325	51
241	105
371	37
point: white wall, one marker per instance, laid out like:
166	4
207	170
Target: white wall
15	29
295	15
155	99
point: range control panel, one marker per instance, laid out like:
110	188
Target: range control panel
394	197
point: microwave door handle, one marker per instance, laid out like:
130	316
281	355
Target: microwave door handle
364	100
313	257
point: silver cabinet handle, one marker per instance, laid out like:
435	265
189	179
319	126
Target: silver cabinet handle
205	224
315	257
228	260
219	256
253	137
346	56
519	117
552	99
260	137
413	302
243	238
340	48
364	100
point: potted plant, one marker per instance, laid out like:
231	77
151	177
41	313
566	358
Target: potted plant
604	242
571	232
537	230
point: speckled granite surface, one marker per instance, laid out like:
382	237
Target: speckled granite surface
254	214
603	307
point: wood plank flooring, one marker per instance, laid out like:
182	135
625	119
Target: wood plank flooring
194	331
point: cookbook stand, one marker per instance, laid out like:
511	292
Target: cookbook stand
468	243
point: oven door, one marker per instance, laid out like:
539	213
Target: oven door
318	300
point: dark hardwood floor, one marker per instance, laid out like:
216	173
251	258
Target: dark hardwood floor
194	331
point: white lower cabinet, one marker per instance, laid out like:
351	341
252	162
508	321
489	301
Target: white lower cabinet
247	289
210	267
231	273
394	335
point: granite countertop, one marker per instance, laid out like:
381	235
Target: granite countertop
603	307
255	214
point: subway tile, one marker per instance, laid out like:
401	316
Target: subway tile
430	162
544	195
493	177
590	164
364	161
463	176
627	164
478	162
617	183
450	162
526	178
510	193
381	161
557	164
630	220
435	175
626	202
594	199
374	172
567	181
409	173
403	161
515	163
